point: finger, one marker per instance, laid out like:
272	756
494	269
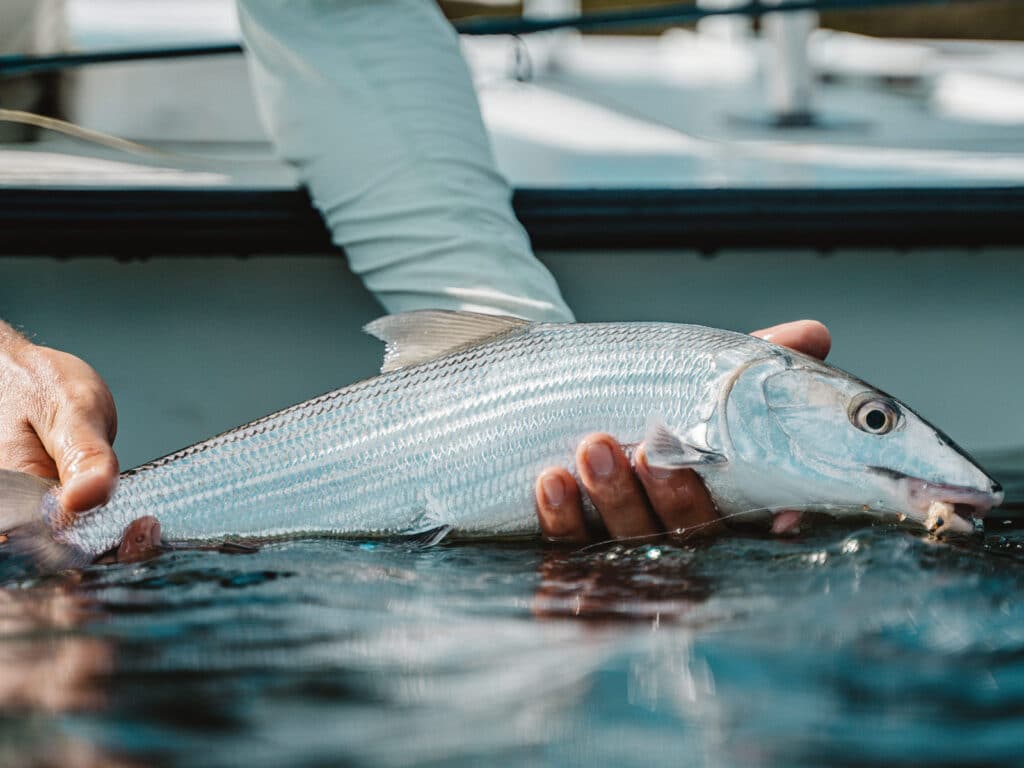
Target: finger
85	460
559	507
613	487
76	421
678	497
807	336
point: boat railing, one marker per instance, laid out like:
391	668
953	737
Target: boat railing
670	13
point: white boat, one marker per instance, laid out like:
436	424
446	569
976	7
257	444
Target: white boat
649	172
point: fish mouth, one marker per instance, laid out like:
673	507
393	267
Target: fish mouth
969	504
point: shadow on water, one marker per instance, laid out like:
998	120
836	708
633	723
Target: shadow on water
841	647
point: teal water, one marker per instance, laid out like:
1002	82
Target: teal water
847	646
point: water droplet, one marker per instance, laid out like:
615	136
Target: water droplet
653	553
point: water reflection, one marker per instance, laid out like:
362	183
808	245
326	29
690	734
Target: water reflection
48	666
51	667
619	583
743	651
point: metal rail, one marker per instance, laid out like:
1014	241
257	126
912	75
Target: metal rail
671	13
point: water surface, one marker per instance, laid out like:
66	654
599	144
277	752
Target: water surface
846	646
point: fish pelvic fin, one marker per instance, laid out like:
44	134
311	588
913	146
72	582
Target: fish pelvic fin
416	337
26	504
430	537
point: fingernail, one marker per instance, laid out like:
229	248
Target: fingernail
95	485
599	459
554	489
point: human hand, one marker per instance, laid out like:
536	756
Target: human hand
57	420
644	501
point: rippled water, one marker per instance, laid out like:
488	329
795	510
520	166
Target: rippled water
846	646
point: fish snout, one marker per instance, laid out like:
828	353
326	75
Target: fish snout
967	504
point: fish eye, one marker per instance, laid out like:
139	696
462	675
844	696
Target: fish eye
874	415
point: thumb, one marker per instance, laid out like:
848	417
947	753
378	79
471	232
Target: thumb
72	413
85	461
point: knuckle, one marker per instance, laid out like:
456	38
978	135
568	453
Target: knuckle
684	493
79	454
83	397
66	375
560	527
613	493
52	390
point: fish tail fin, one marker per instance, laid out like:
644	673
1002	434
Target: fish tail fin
25	530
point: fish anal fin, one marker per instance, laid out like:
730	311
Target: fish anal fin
416	337
666	449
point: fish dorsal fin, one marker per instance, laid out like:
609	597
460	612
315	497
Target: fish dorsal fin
425	334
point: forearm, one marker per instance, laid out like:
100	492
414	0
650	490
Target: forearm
373	103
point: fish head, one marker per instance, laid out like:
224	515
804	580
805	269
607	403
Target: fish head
823	438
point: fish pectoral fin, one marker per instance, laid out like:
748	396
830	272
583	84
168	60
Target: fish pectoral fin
416	337
668	450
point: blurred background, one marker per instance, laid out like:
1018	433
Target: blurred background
991	20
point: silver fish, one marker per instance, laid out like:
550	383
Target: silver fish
469	408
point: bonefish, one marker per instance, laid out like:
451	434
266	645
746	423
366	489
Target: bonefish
469	408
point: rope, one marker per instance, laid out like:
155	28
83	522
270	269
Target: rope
124	145
78	132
